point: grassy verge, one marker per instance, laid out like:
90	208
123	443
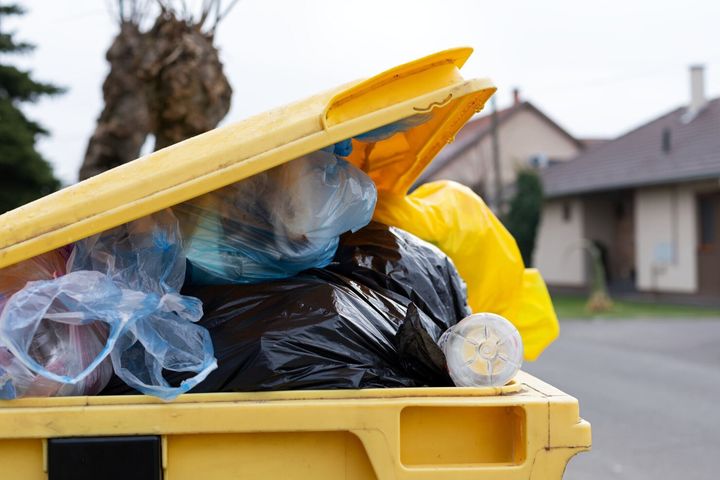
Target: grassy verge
568	306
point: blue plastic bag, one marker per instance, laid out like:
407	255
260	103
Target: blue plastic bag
276	223
117	308
41	333
145	254
142	332
145	259
57	334
164	337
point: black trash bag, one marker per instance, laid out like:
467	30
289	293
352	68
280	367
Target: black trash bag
420	355
354	324
319	330
388	258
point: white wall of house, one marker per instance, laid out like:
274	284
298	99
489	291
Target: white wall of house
472	167
527	134
666	239
522	136
558	252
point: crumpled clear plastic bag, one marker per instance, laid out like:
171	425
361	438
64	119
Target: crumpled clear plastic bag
56	336
145	254
43	346
144	258
276	223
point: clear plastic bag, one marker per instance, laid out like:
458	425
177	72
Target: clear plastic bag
60	333
165	340
56	336
144	258
276	223
145	254
58	347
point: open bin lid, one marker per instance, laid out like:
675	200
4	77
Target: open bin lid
431	85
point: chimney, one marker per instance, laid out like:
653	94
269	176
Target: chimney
697	89
516	97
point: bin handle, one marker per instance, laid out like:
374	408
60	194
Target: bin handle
396	85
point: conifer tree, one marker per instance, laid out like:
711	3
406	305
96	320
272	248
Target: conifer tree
24	174
524	216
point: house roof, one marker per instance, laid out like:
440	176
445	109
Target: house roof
638	159
479	127
593	142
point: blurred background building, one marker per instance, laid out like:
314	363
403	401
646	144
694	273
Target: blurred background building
524	137
649	200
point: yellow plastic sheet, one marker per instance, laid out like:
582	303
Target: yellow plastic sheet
455	219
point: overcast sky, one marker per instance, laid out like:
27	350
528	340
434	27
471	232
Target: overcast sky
597	68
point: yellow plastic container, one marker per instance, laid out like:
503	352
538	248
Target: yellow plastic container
525	430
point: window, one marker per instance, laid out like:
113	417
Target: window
567	212
539	161
666	140
707	220
620	210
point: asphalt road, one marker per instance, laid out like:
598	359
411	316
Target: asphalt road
650	388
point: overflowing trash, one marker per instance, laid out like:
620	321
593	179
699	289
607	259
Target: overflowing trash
351	325
280	281
318	330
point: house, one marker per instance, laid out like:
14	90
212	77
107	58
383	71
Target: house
526	137
649	200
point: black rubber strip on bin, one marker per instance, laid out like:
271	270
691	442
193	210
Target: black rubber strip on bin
109	458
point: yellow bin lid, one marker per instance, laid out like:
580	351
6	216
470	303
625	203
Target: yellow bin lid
431	85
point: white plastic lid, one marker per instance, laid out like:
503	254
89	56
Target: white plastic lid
482	350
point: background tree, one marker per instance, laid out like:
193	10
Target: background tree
24	174
166	80
524	216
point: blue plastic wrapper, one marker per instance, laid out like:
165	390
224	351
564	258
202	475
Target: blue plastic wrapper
142	333
341	149
277	223
164	339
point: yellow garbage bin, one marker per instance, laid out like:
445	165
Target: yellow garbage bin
524	430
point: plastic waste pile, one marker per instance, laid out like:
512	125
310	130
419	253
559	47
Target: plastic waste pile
279	281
